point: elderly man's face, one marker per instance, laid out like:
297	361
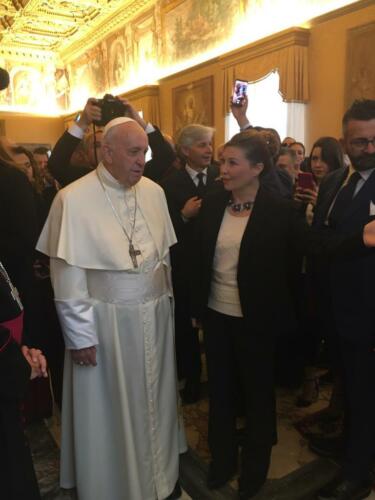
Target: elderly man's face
124	153
359	143
199	154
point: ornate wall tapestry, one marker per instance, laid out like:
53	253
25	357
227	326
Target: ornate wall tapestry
360	63
193	103
191	27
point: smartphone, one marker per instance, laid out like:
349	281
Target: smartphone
239	92
305	180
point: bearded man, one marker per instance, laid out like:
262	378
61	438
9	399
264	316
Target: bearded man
346	204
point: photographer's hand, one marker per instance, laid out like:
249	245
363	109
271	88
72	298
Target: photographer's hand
239	113
90	112
131	112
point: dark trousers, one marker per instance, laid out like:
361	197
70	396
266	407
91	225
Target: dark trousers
188	351
239	361
359	377
17	476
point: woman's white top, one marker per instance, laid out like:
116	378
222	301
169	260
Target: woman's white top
224	296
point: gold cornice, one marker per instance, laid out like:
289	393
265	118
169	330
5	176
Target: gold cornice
342	11
145	91
109	25
17	52
286	38
61	26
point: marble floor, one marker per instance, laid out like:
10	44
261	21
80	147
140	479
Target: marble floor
289	456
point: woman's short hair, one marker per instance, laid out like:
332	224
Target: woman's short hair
254	146
331	152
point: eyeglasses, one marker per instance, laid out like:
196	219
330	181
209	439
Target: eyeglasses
362	142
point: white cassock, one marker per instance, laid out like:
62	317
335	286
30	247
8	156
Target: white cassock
121	436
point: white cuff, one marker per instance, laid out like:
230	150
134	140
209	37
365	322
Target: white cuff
149	128
76	131
78	322
246	126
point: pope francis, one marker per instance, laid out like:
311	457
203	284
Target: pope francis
108	237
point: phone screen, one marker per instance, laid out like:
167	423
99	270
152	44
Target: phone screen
305	180
239	92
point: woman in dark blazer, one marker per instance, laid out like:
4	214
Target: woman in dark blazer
246	263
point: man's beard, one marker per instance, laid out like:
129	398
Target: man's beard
363	162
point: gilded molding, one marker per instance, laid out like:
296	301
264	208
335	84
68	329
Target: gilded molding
31	27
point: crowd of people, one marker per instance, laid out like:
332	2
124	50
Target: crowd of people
119	263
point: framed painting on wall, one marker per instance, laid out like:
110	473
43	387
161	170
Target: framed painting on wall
360	73
193	103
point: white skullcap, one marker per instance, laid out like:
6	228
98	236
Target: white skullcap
115	122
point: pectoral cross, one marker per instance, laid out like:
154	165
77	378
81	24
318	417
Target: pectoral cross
133	254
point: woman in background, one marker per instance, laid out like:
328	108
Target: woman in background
325	157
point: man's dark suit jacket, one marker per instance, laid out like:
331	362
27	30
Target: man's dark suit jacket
352	276
59	162
179	187
270	247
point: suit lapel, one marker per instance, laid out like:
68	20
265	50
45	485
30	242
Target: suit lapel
259	220
362	198
212	174
187	181
328	195
214	219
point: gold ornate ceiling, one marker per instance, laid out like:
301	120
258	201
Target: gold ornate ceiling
44	29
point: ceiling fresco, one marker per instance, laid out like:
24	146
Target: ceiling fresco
43	29
60	52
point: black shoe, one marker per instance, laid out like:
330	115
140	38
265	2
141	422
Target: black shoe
244	493
344	489
191	393
328	447
216	479
176	493
240	436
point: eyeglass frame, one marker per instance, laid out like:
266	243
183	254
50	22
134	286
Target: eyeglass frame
362	142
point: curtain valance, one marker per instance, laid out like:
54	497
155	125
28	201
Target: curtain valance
286	52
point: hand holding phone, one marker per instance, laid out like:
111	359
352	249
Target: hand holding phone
305	180
306	189
239	92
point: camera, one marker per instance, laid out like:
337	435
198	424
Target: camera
111	108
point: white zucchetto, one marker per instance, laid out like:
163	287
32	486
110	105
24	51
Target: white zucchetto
115	122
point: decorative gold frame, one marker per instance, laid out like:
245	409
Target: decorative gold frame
360	70
193	103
